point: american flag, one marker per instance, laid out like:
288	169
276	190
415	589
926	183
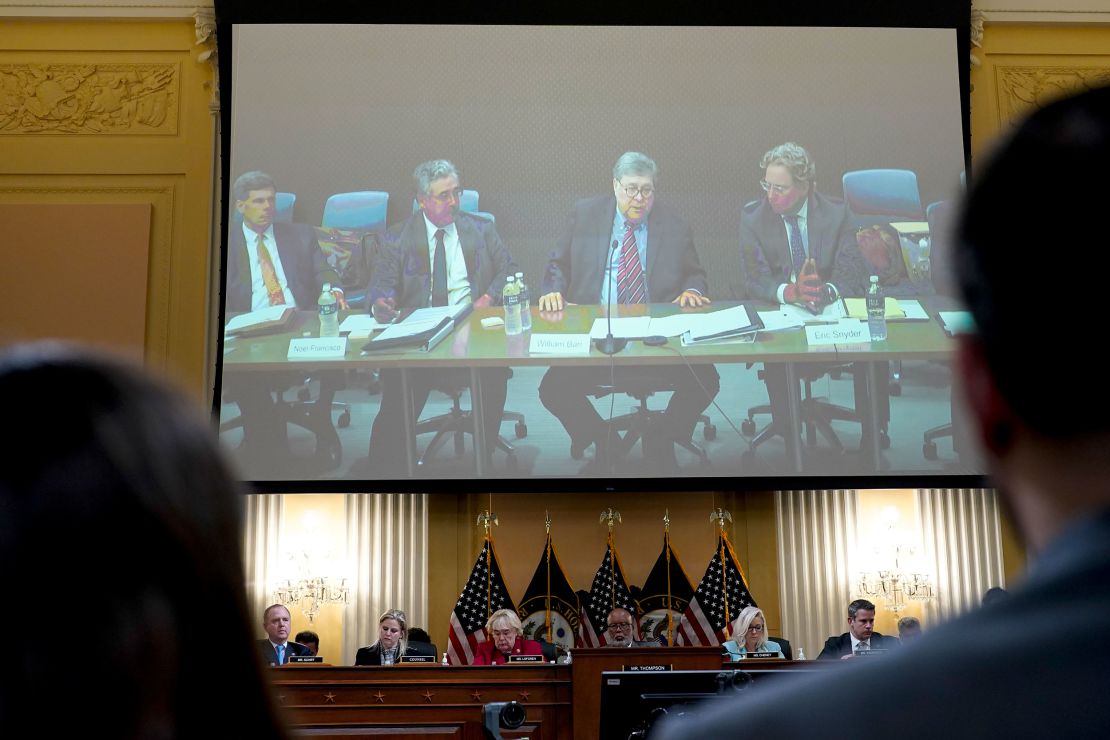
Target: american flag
485	592
609	591
720	596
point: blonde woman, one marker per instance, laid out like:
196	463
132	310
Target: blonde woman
750	635
392	642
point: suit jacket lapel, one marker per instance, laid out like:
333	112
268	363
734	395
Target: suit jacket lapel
468	243
656	237
776	236
601	237
815	225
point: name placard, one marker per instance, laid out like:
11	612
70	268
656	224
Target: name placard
525	658
650	668
872	653
559	344
317	348
845	331
306	659
418	659
762	654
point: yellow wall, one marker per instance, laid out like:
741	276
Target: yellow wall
117	112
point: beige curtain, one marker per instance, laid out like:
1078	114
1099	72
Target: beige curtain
387	548
962	538
261	550
817	532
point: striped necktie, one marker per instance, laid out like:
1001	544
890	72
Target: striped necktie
797	246
269	274
630	273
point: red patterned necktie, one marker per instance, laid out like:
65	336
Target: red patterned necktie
630	273
269	273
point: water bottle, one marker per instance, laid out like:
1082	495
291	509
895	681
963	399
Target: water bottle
444	662
525	303
510	297
876	310
801	654
329	313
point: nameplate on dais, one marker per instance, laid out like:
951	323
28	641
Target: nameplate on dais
559	344
525	658
648	668
845	331
317	348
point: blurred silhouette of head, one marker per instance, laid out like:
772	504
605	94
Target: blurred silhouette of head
114	498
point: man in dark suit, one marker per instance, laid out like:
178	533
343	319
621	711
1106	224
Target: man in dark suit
276	648
797	247
439	256
1046	437
270	264
860	637
622	629
651	258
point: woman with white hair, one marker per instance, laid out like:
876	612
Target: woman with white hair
749	633
506	639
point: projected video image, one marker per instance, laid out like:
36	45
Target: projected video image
527	252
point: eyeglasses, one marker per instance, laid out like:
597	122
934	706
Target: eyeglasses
771	188
645	192
448	196
755	628
620	626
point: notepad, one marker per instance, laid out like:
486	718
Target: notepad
857	308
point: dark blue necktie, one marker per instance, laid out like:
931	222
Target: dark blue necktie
797	249
439	272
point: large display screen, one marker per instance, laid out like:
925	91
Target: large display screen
716	198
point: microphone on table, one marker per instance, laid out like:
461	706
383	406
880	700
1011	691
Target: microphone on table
610	345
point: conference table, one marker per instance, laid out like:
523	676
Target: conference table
472	346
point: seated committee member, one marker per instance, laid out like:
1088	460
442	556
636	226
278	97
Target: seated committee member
437	257
750	635
987	673
276	648
909	629
860	636
623	632
310	640
129	498
392	642
271	264
651	259
505	632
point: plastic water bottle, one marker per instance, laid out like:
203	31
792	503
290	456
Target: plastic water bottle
445	659
801	654
525	303
876	310
510	297
329	313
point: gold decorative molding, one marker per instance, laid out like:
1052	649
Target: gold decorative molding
1021	90
96	98
204	23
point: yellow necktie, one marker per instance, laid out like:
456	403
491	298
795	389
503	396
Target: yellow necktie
269	274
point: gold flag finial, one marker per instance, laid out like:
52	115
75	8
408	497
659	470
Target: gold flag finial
667	520
547	521
721	517
486	520
611	517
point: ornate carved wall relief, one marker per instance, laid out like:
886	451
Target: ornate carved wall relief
1023	89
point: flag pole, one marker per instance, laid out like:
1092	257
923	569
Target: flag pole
667	556
720	516
486	520
547	557
611	517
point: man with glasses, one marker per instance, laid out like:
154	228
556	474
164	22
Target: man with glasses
797	245
626	248
622	631
439	256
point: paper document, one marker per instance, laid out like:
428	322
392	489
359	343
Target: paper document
830	313
633	327
857	308
406	329
360	326
256	318
957	322
435	314
728	321
913	309
674	325
778	321
906	228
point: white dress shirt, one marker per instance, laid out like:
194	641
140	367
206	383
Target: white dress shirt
458	286
260	297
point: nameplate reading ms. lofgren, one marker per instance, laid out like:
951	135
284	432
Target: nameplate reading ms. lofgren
313	348
843	332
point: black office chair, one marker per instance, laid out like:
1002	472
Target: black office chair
784	645
458	422
636	423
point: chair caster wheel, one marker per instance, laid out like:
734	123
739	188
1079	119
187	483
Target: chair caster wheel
929	450
747	428
344	420
709	432
521	430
